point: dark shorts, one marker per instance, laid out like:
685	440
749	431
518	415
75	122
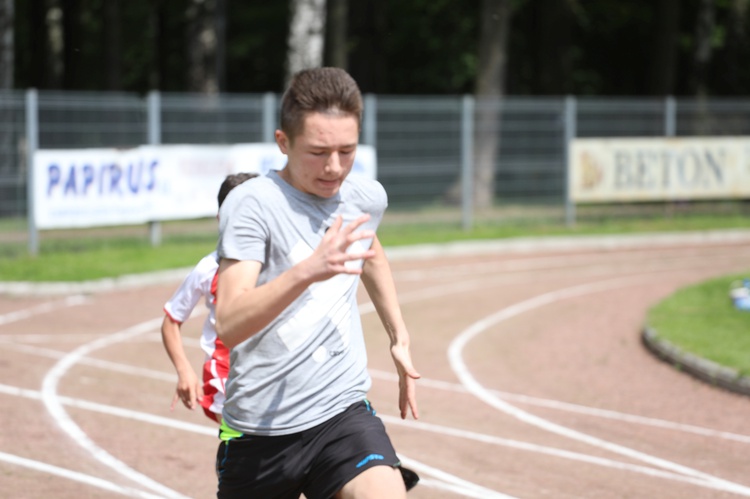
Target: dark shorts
317	462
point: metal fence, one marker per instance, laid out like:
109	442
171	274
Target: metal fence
425	144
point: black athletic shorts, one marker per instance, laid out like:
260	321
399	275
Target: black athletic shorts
317	462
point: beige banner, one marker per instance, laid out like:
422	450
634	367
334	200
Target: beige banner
659	169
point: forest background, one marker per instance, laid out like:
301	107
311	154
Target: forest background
486	47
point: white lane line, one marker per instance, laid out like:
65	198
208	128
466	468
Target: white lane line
470	285
42	308
455	354
548	451
74	475
88	361
78	356
575	408
434	292
54	406
43	338
116	411
391	420
455	484
451	482
423	382
449	487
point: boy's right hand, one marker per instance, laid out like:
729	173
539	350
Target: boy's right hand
330	257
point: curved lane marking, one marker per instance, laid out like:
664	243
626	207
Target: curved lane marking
49	388
424	382
75	476
443	480
42	308
452	482
392	420
548	451
55	407
575	408
455	355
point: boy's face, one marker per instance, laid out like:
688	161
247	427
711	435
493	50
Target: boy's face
322	155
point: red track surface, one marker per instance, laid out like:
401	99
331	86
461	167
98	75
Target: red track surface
535	384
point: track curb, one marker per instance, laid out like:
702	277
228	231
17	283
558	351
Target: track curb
700	368
568	243
133	281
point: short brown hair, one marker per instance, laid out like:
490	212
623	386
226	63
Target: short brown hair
230	182
322	90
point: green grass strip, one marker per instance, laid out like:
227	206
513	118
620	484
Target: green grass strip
94	259
111	252
702	320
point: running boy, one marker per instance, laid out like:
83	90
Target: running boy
200	283
292	246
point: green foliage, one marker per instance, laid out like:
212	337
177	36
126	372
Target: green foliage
395	46
431	46
256	45
702	320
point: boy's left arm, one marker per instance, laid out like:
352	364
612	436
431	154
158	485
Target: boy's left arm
189	389
378	281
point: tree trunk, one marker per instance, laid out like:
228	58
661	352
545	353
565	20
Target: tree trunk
495	25
337	53
664	52
306	36
6	44
206	45
55	40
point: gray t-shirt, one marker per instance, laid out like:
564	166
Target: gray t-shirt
309	363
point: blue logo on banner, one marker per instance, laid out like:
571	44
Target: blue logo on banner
106	178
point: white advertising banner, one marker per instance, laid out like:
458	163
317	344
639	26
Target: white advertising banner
100	187
659	169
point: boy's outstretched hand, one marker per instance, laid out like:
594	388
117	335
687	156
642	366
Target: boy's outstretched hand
330	257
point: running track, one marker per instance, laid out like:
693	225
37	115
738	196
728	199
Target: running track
535	383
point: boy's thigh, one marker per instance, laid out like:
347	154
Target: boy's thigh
375	483
347	446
